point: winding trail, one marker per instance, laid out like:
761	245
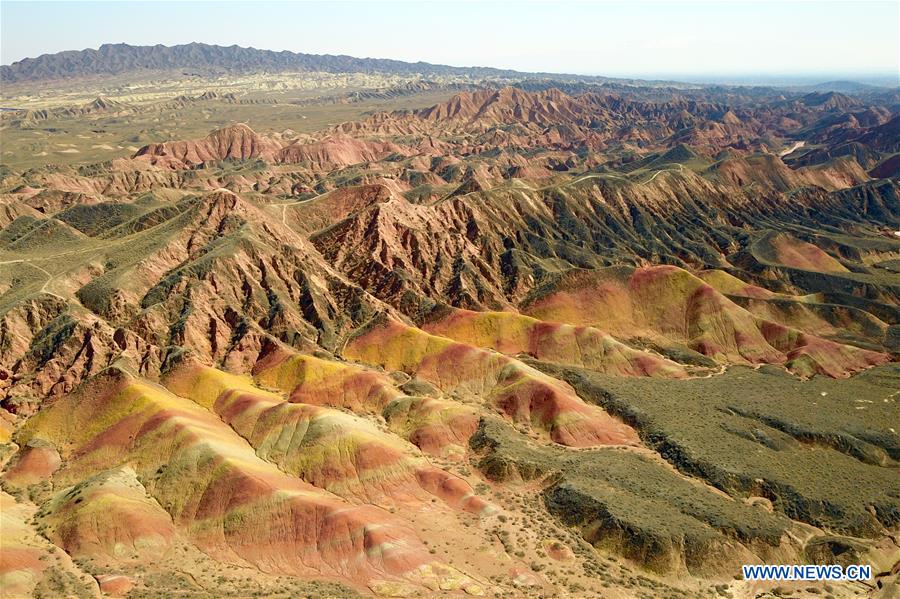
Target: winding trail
621	178
796	146
285	206
597	176
50	276
680	169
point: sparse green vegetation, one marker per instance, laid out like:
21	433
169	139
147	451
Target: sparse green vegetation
628	503
821	450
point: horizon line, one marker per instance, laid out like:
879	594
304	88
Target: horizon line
740	78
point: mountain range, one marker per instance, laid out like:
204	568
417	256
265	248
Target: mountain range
115	59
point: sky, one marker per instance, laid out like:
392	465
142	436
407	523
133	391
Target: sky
716	41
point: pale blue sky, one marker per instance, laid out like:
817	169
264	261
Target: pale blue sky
638	38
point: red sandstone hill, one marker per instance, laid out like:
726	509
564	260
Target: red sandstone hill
238	142
338	151
597	119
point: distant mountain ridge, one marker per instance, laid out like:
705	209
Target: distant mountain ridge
114	59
